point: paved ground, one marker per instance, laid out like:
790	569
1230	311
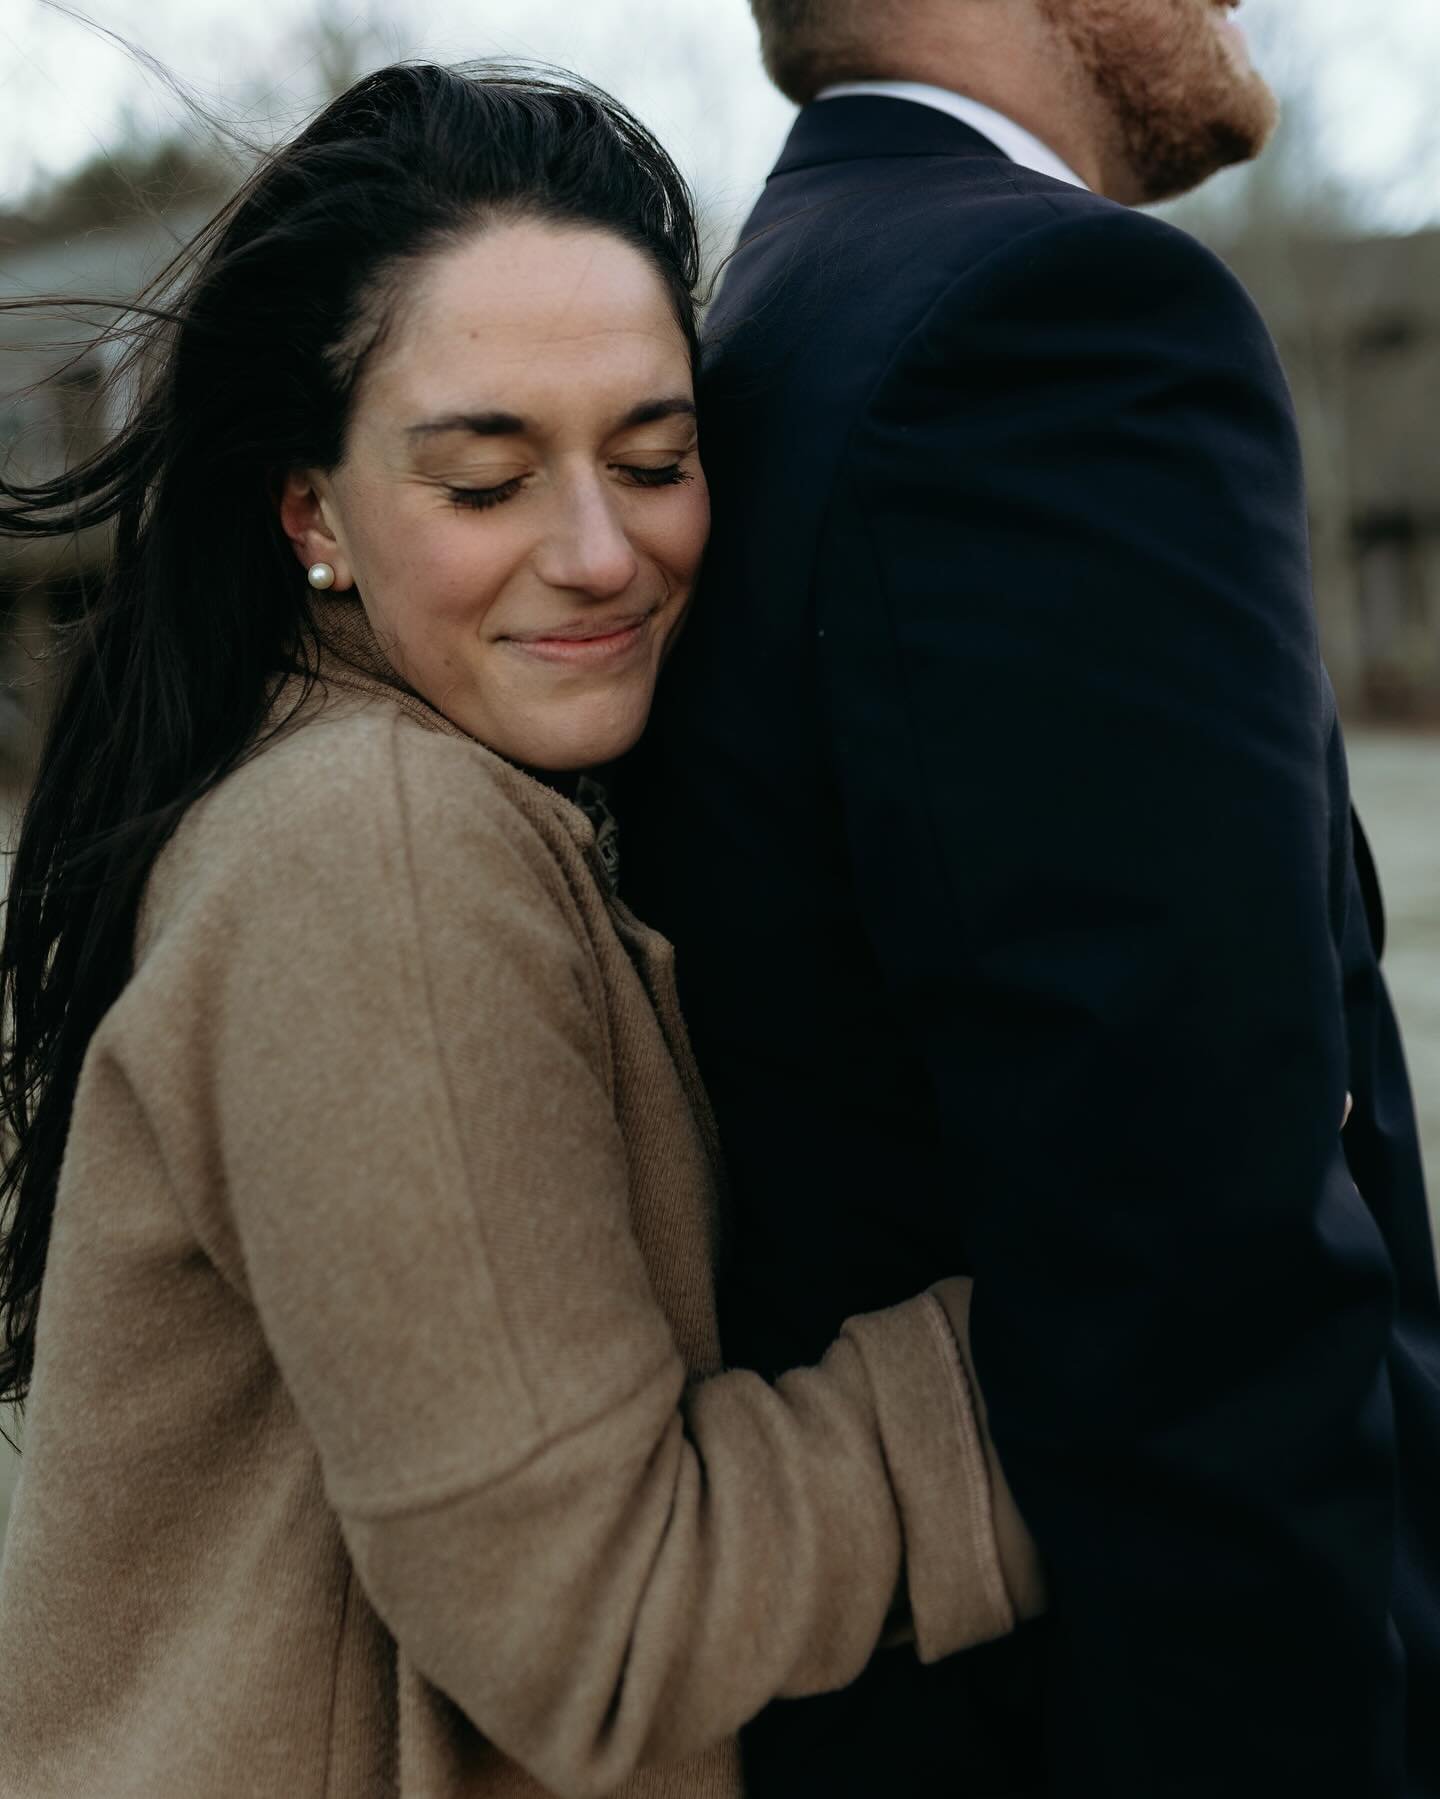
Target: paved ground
1397	786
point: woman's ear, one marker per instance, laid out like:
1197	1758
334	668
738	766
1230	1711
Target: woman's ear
305	521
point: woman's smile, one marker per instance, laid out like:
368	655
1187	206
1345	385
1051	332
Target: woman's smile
586	643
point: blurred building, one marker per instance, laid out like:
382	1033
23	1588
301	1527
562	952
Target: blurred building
1358	324
56	404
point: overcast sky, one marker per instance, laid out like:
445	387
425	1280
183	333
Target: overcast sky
690	68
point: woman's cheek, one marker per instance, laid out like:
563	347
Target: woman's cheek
458	576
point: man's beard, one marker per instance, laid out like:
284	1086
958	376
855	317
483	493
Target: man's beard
1184	104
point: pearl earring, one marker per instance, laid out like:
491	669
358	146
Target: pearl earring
320	574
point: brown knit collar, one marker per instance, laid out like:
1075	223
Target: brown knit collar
349	656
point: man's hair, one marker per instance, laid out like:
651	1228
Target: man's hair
810	44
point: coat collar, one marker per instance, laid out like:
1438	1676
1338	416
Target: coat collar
349	655
870	126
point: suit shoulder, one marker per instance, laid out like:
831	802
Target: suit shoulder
1098	285
868	263
1091	249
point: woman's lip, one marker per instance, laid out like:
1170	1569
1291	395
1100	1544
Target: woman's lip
585	643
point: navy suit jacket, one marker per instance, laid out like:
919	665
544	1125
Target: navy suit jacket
996	804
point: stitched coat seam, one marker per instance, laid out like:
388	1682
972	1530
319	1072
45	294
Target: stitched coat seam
979	1497
449	1140
450	1490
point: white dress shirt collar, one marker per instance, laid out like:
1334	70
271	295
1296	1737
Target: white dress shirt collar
1018	144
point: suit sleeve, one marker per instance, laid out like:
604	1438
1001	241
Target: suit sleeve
1078	720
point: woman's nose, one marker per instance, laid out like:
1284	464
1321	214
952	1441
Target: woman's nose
588	550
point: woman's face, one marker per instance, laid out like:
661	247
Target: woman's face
521	506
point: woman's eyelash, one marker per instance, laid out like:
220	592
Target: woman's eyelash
480	499
669	476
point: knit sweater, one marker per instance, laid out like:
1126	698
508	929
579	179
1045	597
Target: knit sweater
379	1442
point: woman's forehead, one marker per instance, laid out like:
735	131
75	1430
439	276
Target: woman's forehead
529	314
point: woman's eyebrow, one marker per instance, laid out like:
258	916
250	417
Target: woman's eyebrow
510	424
478	424
650	412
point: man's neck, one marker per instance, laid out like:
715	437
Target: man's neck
1012	60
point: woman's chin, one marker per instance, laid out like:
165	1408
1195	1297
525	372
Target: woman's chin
581	736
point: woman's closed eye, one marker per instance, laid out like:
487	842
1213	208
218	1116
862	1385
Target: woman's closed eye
671	474
480	499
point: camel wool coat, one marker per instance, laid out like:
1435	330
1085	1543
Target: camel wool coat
379	1442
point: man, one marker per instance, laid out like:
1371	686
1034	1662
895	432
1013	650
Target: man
997	807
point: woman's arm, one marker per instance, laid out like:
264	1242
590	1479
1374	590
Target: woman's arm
430	1195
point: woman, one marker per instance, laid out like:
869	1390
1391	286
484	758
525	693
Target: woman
377	1438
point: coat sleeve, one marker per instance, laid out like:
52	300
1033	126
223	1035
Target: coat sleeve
600	1564
1078	719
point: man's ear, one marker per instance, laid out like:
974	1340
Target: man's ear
304	516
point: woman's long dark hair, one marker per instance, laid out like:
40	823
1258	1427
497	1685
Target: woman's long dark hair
245	361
